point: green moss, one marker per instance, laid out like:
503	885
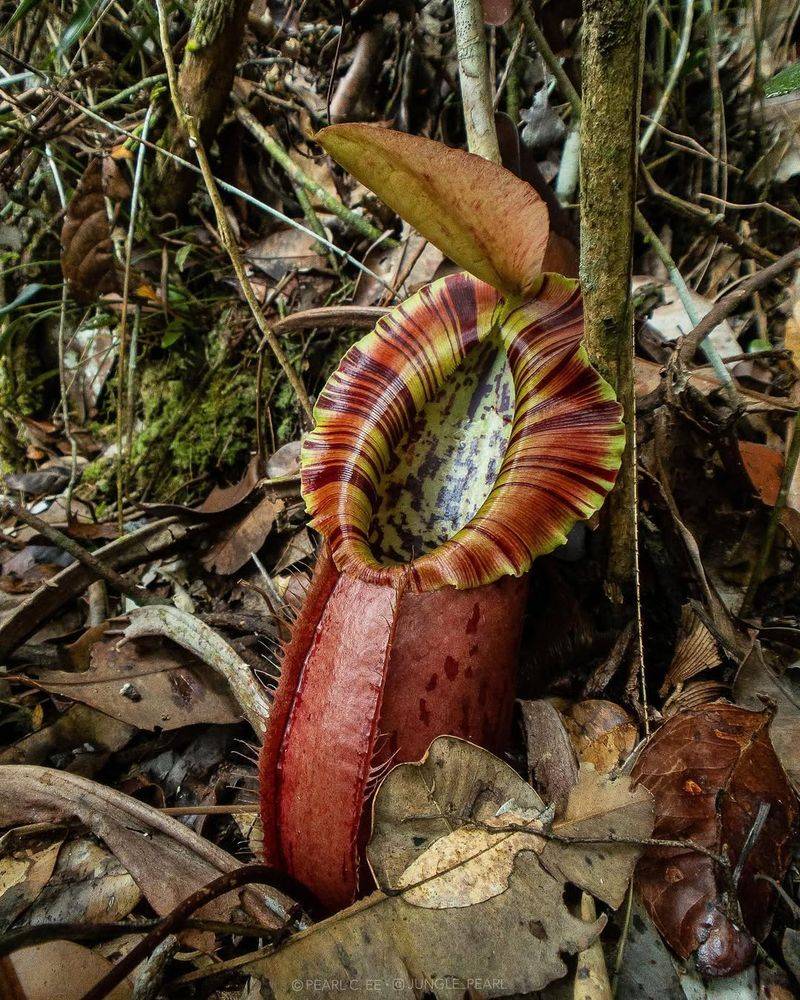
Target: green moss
20	396
192	432
210	18
785	82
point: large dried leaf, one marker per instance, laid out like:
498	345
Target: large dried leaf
710	770
87	253
470	892
167	860
482	216
148	684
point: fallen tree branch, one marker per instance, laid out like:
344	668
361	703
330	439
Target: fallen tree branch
96	566
149	542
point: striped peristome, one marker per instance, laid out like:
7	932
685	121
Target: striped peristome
562	444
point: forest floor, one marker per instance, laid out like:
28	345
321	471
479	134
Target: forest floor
155	548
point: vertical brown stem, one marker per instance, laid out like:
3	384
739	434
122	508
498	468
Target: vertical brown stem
205	81
612	38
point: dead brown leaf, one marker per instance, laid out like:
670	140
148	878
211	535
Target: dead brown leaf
62	969
167	860
241	540
710	771
471	892
148	684
87	253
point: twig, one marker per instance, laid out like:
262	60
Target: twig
787	478
512	58
226	235
752	836
223	185
730	302
473	74
62	367
123	95
269	143
122	447
719	166
674	74
612	838
247	875
78	552
714	223
551	60
685	296
24	937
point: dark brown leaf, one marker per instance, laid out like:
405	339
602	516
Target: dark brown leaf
87	254
552	765
709	771
147	684
242	539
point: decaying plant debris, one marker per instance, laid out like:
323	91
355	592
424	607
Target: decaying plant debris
281	714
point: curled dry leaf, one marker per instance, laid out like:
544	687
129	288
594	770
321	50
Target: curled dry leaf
486	219
167	860
695	651
602	733
87	253
470	888
710	770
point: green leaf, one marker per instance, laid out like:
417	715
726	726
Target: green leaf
182	255
80	20
24	8
172	334
482	216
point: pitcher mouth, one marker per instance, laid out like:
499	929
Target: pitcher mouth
462	437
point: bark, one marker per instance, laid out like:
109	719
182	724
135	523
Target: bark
612	37
205	81
473	72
